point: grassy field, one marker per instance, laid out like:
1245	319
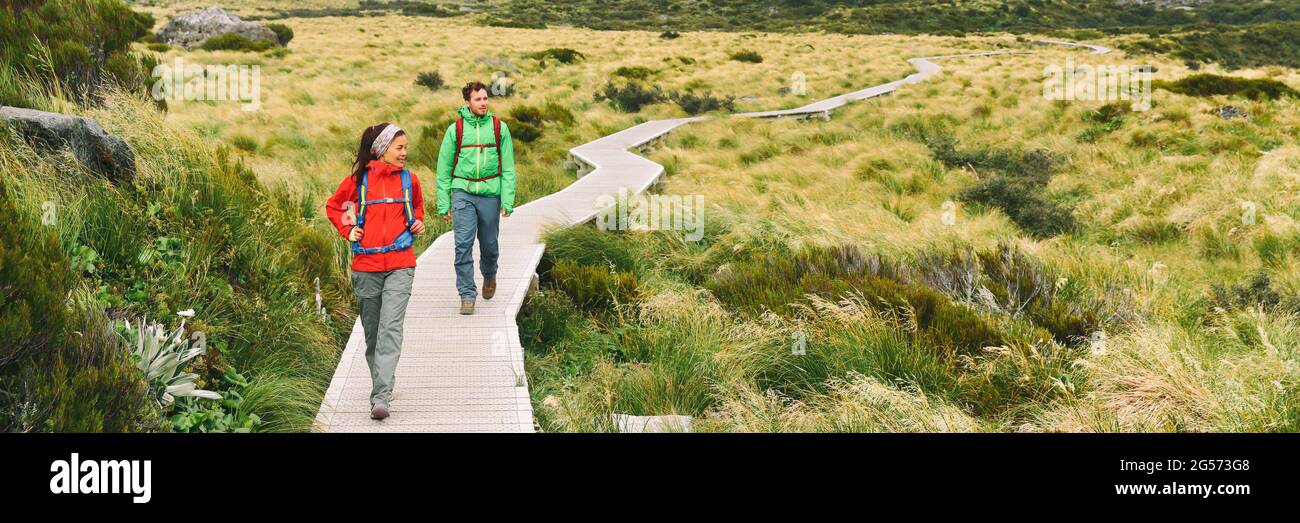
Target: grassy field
1155	199
961	255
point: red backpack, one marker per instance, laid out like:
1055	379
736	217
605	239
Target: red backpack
460	132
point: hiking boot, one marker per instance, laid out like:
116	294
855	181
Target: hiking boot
489	287
378	411
466	306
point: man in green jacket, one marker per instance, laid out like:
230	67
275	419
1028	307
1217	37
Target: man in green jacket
476	187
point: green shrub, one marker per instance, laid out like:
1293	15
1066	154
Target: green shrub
700	103
746	55
629	97
75	45
528	122
1012	181
546	318
1258	291
235	42
557	114
61	366
636	72
283	33
429	79
563	55
1211	84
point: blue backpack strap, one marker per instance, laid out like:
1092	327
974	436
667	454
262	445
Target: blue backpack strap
408	204
361	197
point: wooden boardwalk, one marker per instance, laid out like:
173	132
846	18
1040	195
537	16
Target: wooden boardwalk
466	373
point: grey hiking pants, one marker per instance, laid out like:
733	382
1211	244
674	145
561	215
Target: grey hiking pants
381	300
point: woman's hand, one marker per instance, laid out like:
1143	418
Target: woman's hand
446	217
355	234
418	227
504	214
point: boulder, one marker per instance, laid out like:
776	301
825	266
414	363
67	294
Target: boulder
100	152
639	424
1229	112
191	29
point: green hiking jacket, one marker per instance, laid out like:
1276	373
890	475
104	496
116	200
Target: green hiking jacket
476	162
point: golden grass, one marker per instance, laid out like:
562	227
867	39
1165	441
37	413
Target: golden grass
852	180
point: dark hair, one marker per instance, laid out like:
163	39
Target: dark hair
471	88
364	156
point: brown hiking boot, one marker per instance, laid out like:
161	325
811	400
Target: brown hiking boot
466	306
489	287
379	411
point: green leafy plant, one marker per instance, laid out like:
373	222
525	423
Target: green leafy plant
161	357
193	415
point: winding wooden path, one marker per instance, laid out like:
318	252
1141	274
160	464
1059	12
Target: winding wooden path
466	373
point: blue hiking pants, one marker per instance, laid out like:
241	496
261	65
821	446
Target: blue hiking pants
474	216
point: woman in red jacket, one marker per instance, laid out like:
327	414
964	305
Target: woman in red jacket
378	208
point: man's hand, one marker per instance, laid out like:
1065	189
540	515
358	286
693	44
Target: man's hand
446	217
355	234
504	214
418	227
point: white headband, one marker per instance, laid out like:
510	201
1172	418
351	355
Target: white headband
384	139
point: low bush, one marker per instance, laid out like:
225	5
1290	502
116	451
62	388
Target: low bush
700	103
562	55
70	48
746	55
283	33
235	42
629	97
432	80
1013	181
1213	84
635	72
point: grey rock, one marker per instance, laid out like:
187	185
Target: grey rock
191	29
100	152
637	424
1229	112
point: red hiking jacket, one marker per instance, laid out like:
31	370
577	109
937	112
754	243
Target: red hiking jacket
384	222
